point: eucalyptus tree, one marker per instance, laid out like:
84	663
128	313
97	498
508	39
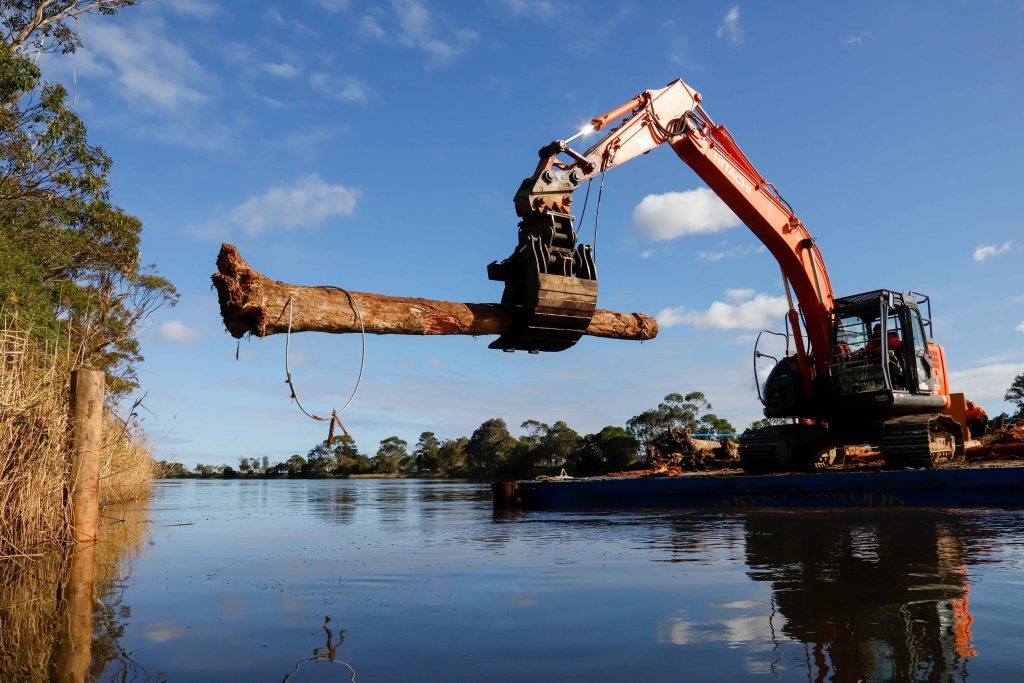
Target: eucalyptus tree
1015	394
70	263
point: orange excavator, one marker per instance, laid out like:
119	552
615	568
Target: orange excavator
863	368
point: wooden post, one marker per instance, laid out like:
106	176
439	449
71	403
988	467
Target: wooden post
75	646
75	649
87	436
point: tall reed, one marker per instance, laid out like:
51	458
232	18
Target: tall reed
126	468
35	457
35	466
35	478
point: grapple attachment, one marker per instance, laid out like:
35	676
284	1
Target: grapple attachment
551	282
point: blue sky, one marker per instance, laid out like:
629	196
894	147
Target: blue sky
377	146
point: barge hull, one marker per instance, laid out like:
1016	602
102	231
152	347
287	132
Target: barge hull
999	486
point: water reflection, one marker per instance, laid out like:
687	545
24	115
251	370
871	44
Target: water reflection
29	618
327	654
338	504
872	598
62	615
391	501
438	588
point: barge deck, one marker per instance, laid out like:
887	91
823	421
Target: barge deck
990	485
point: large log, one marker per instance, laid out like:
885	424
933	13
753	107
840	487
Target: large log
252	303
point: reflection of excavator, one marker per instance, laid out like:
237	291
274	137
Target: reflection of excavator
864	370
874	599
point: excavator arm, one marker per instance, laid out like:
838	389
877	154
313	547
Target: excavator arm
553	279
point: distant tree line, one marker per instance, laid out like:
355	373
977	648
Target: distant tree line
490	451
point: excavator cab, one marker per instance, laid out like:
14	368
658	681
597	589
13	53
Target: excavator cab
885	385
882	359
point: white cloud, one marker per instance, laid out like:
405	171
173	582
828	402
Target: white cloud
745	310
371	28
140	63
857	38
729	28
740	294
200	9
412	24
352	90
537	9
305	204
345	88
332	6
284	69
674	214
985	382
1020	328
274	15
177	332
984	251
418	30
308	139
1000	358
647	254
236	52
740	250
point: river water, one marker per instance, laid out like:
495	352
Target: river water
421	581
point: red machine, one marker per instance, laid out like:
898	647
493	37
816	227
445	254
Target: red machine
864	368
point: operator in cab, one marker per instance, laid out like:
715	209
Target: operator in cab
874	345
875	340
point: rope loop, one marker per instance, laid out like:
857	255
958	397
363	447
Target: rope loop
334	417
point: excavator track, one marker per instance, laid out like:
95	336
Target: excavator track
782	448
922	441
759	450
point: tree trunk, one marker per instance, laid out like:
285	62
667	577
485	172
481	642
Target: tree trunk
252	303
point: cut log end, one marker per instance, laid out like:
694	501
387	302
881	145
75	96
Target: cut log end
251	303
238	285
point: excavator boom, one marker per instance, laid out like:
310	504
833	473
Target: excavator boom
673	115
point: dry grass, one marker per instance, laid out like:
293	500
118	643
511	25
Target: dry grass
35	462
35	476
127	470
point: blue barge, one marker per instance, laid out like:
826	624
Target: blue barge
992	485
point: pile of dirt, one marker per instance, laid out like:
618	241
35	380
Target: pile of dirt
999	444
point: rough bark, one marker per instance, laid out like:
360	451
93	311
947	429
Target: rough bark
252	303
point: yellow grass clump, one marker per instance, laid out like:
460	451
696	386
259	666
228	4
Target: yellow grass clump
35	450
35	481
126	469
35	466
